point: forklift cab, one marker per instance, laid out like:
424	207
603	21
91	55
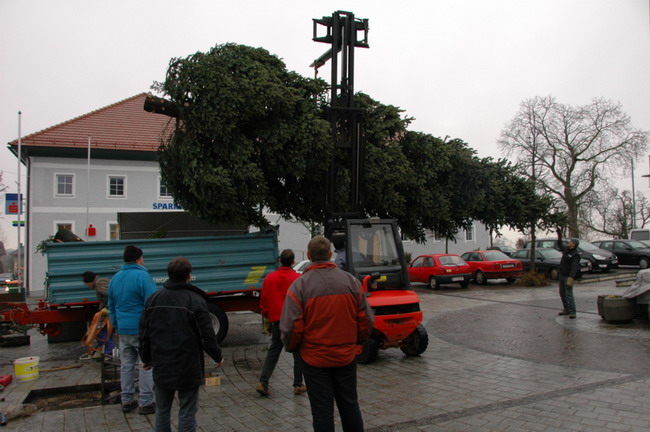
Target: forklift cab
373	246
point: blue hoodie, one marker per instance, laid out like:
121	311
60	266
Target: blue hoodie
127	293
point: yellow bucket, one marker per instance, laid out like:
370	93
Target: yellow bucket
26	368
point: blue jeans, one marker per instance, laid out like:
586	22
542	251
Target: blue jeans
105	341
129	345
566	294
188	401
327	385
273	354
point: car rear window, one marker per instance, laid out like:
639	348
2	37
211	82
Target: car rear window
451	260
495	256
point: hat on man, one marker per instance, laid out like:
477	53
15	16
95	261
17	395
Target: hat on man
132	253
576	241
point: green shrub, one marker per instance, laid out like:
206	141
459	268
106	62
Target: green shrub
532	279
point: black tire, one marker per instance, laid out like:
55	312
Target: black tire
510	280
219	321
480	278
416	343
433	283
464	284
370	351
644	262
554	273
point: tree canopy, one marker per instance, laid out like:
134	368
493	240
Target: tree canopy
569	151
253	135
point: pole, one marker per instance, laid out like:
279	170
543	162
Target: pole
633	199
88	191
20	202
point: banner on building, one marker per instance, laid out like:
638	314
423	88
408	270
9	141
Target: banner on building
13	203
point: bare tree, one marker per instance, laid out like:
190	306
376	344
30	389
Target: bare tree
569	151
612	212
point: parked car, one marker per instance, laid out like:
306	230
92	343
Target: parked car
8	284
301	266
629	252
640	234
492	264
440	269
547	261
508	250
601	259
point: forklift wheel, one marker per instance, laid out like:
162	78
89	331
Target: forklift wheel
416	343
370	351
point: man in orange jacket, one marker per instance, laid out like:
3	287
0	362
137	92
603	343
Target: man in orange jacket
326	317
274	290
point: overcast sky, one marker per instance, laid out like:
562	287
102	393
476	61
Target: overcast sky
460	67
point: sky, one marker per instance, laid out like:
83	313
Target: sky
461	68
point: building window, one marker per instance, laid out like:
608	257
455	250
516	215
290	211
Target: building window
113	231
163	190
64	185
63	225
116	186
469	234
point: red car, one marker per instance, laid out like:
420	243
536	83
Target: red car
440	269
491	264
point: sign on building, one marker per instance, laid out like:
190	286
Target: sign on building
13	203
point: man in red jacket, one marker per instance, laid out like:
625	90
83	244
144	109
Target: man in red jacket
274	290
326	317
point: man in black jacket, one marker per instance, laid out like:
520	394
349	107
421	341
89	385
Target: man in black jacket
175	329
569	271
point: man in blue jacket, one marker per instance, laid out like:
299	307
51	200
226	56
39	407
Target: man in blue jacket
127	293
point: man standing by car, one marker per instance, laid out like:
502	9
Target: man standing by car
127	293
325	317
274	291
568	273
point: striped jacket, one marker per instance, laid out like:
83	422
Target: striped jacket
325	316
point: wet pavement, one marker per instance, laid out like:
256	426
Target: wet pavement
499	359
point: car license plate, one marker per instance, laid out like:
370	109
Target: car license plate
457	279
507	266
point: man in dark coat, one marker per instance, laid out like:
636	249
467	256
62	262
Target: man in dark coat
569	271
175	329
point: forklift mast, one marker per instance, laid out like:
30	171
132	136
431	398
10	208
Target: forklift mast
371	245
344	33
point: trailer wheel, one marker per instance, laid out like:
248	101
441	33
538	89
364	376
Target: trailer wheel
370	351
416	343
219	321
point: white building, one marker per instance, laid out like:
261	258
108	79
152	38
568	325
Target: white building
83	172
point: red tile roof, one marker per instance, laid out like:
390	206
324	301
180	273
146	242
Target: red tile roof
124	125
